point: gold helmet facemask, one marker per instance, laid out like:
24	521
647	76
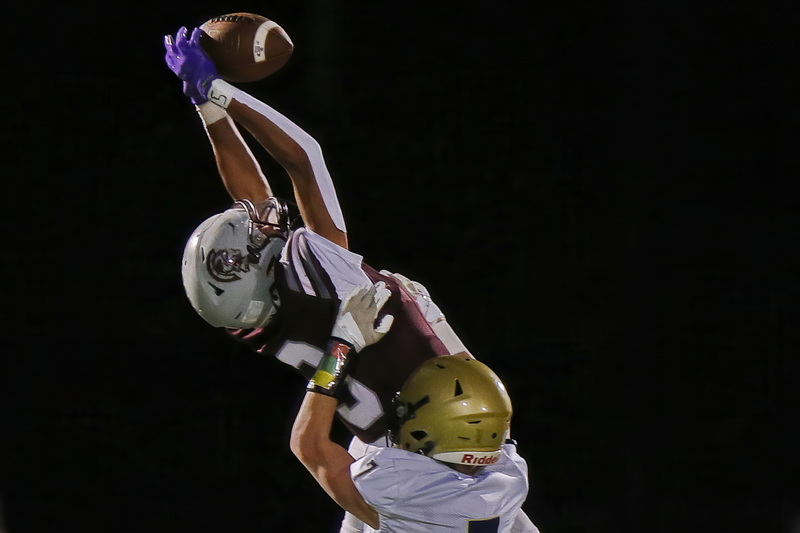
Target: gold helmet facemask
454	409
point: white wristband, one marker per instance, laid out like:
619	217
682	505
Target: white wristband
221	93
210	113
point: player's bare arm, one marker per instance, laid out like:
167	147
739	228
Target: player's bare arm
328	462
237	166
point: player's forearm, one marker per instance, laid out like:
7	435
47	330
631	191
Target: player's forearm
292	149
311	442
238	168
328	462
312	427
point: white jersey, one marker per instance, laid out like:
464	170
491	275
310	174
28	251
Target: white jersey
416	494
319	267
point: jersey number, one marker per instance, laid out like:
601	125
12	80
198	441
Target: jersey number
491	525
367	407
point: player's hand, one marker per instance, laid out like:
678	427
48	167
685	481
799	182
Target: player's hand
187	60
357	322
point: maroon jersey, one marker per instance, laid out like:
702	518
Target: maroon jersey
315	274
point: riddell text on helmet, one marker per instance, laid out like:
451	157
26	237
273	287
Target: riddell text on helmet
470	459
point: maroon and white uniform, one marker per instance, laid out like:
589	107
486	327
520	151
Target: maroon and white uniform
315	275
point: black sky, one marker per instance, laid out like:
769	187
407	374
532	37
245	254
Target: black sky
600	197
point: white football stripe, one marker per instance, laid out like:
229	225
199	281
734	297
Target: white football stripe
260	41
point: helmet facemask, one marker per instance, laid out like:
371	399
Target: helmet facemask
272	221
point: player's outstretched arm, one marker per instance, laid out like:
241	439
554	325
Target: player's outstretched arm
297	152
240	172
356	326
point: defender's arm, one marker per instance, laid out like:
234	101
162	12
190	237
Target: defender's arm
356	326
328	462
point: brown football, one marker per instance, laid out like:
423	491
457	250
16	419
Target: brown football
245	47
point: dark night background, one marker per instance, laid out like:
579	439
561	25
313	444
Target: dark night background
600	196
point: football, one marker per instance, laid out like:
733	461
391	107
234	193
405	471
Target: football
245	47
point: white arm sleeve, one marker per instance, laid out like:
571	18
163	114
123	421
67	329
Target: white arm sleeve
222	92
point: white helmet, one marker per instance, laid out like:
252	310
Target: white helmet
229	264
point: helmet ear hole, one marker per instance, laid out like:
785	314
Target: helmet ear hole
419	434
459	391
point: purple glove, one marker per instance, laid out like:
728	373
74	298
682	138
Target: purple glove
190	63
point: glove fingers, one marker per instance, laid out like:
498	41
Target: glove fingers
381	294
169	47
195	39
384	324
365	295
356	294
181	40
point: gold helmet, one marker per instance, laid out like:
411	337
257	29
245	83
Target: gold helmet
454	409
